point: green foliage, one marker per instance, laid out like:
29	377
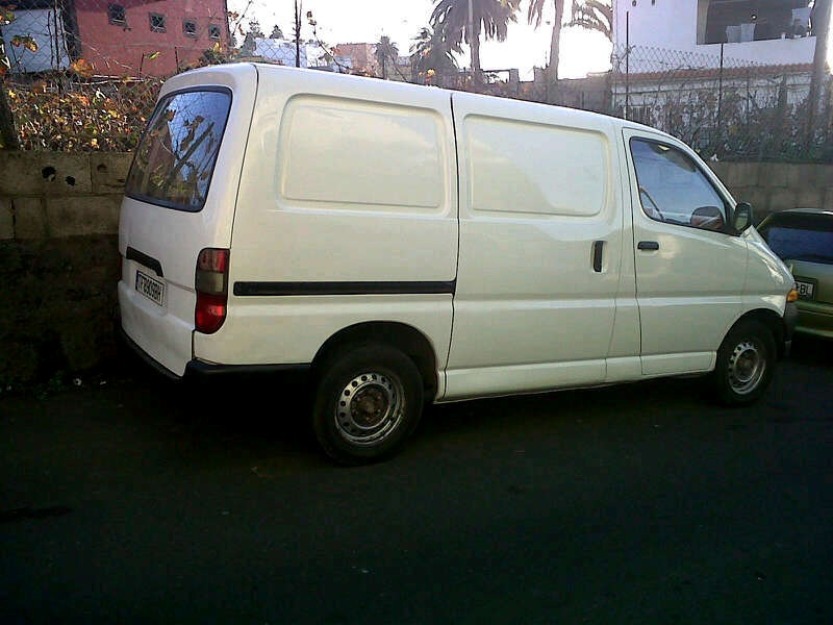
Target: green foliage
386	54
431	54
593	15
90	117
490	18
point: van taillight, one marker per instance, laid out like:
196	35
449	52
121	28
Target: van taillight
212	290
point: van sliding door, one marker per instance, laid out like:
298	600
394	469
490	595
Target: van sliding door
540	248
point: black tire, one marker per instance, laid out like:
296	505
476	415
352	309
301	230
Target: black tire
368	401
745	364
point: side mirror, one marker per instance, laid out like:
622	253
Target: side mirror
742	217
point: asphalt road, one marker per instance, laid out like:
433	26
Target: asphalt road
133	502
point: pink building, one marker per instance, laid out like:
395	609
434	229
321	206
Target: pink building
118	37
140	37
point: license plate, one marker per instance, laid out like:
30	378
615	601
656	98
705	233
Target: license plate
806	290
151	288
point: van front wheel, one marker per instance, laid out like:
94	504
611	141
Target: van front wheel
368	401
745	363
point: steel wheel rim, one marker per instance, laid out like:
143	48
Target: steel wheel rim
369	408
746	367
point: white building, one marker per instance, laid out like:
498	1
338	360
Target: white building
701	69
763	32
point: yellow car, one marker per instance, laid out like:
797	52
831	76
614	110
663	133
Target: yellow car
803	238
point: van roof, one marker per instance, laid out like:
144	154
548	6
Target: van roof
396	86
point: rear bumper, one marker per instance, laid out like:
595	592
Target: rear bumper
199	369
815	319
145	358
790	322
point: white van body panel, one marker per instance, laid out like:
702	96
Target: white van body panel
767	277
538	189
293	331
174	238
345	181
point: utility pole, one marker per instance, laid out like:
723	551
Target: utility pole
471	20
299	6
821	76
475	77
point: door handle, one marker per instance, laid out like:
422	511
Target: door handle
598	251
647	245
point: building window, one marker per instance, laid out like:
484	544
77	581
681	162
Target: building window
116	15
741	21
214	31
189	28
157	23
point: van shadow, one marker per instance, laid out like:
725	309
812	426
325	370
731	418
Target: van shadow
240	416
644	400
812	351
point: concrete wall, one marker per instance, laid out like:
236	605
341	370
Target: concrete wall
59	261
771	187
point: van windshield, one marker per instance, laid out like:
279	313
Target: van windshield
175	158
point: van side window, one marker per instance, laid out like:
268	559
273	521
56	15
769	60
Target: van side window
175	158
673	189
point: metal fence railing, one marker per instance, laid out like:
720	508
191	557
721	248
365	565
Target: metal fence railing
728	109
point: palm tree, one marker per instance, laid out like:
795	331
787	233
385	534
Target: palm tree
489	17
386	50
277	33
431	52
593	15
535	15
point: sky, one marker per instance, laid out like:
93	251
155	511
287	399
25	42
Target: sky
366	21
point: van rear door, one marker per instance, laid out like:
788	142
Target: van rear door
179	200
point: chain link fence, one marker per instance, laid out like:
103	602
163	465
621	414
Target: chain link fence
728	109
81	75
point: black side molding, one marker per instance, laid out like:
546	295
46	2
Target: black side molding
144	259
267	289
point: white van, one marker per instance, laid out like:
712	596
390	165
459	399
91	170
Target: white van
406	244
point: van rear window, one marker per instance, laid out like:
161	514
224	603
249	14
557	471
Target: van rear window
175	159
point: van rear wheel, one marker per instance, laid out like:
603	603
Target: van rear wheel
367	403
745	363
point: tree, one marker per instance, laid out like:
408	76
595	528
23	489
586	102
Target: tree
821	17
8	133
254	29
277	33
594	15
535	16
249	44
488	17
386	51
432	54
